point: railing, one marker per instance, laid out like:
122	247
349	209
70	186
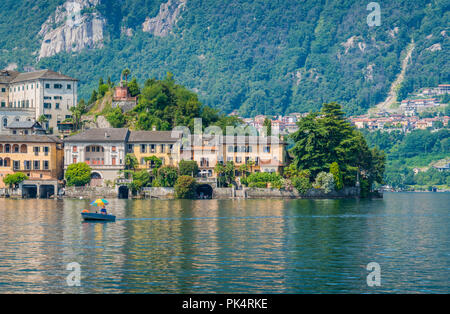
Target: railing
123	181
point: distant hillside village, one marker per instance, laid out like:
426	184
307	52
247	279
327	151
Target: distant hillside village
413	113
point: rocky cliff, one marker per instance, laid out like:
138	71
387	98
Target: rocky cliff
163	23
74	26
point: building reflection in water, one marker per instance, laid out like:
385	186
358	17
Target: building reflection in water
252	246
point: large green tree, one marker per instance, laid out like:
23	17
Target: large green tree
327	137
78	174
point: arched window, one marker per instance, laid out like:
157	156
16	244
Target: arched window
15	148
1	148
7	162
23	149
1	162
7	148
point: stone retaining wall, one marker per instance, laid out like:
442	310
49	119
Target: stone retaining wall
159	193
90	192
219	193
347	192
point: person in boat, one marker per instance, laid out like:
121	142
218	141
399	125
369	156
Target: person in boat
103	210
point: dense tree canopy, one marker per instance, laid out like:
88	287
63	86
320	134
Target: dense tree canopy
260	57
326	137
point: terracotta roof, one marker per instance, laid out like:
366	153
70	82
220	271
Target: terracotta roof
153	136
29	139
100	136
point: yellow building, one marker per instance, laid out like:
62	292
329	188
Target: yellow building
161	144
262	154
40	157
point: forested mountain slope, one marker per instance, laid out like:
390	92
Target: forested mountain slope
257	56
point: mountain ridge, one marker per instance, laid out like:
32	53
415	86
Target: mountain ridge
254	56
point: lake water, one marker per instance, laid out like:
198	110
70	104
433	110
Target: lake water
229	246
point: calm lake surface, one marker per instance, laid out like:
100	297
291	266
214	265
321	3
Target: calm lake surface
229	246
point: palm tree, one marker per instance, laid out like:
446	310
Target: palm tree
126	73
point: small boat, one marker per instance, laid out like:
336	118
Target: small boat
97	217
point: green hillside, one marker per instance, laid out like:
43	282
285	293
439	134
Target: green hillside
257	56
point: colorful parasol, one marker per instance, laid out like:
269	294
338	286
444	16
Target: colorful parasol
99	202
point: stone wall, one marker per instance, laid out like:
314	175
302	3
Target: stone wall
159	193
124	105
347	192
219	193
90	192
223	193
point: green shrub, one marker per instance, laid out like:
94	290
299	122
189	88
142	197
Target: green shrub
337	175
12	180
262	180
188	168
167	176
302	184
260	185
324	181
140	179
78	174
186	188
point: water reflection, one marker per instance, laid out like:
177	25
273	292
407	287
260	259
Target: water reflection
276	246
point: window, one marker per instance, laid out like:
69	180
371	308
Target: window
16	165
36	165
36	150
3	90
162	147
57	106
69	86
238	160
143	148
152	148
113	161
47	85
46	150
3	104
114	149
46	167
57	86
75	149
88	149
47	105
27	165
130	147
266	149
